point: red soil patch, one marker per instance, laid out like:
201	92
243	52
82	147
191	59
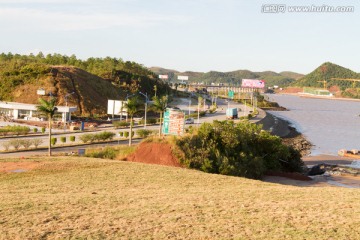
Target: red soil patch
154	153
291	90
294	176
17	166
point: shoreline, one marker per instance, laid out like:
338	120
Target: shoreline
320	97
289	135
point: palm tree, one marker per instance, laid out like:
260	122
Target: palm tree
132	107
48	108
159	106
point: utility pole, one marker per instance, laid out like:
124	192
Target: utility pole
189	105
198	120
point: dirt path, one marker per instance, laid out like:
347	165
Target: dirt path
18	166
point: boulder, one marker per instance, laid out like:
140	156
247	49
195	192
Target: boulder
317	170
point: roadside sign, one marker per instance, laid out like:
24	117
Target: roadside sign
183	78
40	91
253	83
173	122
163	76
231	94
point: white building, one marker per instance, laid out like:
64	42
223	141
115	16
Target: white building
27	111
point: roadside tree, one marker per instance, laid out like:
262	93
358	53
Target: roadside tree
49	109
159	105
132	107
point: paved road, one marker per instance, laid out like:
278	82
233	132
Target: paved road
184	105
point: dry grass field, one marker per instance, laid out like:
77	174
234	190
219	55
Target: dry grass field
76	198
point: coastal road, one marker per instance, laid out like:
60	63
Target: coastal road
220	114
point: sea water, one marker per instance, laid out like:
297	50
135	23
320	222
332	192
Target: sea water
329	125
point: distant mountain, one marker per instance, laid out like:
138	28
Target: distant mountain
293	75
282	79
159	70
327	71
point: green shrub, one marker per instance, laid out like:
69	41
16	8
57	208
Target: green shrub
148	121
107	152
121	134
143	133
85	138
21	130
15	130
43	129
132	133
53	141
3	132
35	130
195	114
103	136
36	142
238	149
126	134
72	138
63	139
212	110
120	124
190	129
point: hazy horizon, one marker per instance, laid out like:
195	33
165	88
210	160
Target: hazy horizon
188	35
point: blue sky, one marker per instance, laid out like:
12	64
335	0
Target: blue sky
194	35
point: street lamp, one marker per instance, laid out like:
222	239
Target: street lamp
189	104
66	112
146	101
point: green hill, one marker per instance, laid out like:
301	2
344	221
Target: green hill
94	80
325	72
292	75
282	79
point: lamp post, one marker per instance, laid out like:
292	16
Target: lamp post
198	120
146	101
66	104
189	105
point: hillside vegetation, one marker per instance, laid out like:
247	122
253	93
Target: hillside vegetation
84	198
325	72
94	80
282	79
238	149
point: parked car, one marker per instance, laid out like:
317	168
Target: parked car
189	121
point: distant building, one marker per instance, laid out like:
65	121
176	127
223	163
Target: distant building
29	112
317	92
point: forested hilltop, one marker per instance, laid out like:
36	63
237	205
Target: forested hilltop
94	80
326	72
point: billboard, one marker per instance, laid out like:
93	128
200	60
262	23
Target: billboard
163	76
174	122
114	107
41	92
253	83
183	78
